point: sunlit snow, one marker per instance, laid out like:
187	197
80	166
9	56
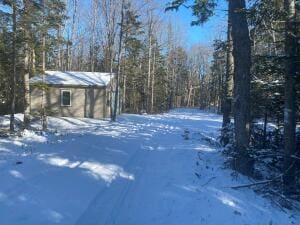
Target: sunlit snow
142	170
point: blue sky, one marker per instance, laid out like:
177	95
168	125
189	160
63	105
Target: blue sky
205	34
215	28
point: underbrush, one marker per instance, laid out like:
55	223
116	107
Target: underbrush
267	153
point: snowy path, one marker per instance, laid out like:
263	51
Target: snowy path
139	171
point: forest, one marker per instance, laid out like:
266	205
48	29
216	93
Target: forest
251	75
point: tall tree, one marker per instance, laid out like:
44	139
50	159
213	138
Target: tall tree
14	62
109	11
242	64
44	27
13	55
119	57
27	19
71	42
203	10
133	48
228	87
290	91
150	47
92	38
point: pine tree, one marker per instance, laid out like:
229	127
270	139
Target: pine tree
242	64
290	92
133	48
203	10
228	87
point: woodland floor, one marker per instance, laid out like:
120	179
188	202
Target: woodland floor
142	170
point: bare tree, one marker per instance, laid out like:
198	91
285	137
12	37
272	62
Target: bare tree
92	35
71	38
116	98
109	12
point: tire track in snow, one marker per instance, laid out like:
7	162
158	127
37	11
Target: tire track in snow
135	165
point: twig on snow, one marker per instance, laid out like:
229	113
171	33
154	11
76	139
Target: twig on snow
207	182
257	183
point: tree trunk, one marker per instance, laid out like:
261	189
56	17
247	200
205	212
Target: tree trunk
26	70
33	61
189	89
67	67
92	44
290	93
242	63
124	92
172	94
153	81
13	77
59	49
70	52
228	88
116	100
43	116
112	88
26	89
265	128
44	52
149	62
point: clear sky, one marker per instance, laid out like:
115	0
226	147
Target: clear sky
215	28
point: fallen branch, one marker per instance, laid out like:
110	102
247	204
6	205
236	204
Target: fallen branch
252	184
207	182
266	181
257	183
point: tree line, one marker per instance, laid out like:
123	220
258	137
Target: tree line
154	68
258	66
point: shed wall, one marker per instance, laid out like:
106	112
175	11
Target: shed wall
85	102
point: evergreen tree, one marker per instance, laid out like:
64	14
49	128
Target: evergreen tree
291	74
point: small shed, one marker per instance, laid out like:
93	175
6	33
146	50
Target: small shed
71	94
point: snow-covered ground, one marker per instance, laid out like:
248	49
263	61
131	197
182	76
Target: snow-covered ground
141	170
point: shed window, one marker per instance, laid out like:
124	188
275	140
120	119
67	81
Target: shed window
65	97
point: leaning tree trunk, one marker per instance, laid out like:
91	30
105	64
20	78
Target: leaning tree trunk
228	88
242	63
290	93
